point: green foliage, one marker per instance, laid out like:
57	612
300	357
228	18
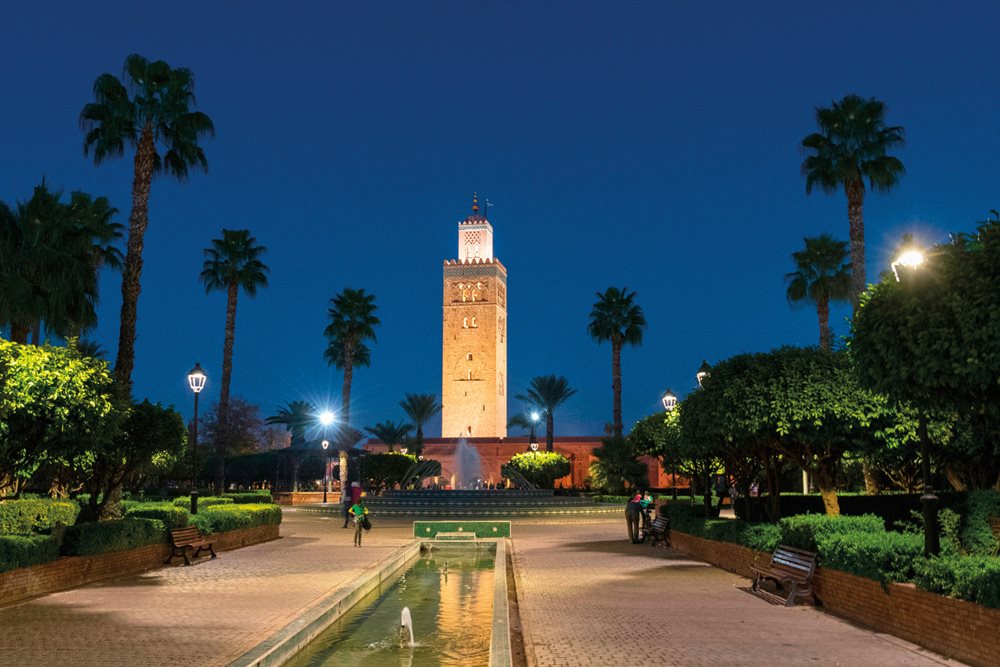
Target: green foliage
619	500
540	468
972	578
220	518
807	531
297	417
547	392
384	471
881	556
90	539
687	518
617	466
26	550
352	322
169	514
203	501
822	274
35	515
249	497
976	536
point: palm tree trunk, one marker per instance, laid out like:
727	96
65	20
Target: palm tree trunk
823	311
548	430
222	440
138	220
418	444
19	333
856	219
616	386
345	411
36	334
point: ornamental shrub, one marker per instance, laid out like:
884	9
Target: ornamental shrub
25	550
540	468
35	515
249	498
90	539
806	531
203	502
171	515
612	499
884	557
972	578
221	518
976	536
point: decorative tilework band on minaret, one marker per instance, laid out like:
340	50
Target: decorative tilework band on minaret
474	343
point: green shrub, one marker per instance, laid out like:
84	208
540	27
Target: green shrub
25	550
972	578
881	556
249	498
208	501
759	536
221	518
975	535
612	499
21	517
806	531
171	515
89	539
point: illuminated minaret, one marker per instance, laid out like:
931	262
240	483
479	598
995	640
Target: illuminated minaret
474	345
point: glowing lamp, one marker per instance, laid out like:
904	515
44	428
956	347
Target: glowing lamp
326	418
196	378
703	372
669	401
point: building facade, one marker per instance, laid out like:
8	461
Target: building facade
474	336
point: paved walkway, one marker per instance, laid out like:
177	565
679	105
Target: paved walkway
589	597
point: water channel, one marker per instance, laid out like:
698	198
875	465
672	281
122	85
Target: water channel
449	593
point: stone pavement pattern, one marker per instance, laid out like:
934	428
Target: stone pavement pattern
589	597
206	614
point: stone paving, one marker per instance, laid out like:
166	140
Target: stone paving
587	597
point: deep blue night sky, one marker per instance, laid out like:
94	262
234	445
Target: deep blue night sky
653	145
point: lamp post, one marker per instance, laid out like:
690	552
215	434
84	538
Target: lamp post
196	380
532	438
912	258
326	469
670	404
703	372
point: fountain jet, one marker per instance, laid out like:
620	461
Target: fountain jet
406	627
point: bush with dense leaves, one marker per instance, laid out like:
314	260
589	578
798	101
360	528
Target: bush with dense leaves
171	515
203	502
249	498
972	578
976	536
884	557
806	531
90	539
21	517
220	518
612	499
690	519
25	550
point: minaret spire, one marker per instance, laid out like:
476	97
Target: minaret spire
475	204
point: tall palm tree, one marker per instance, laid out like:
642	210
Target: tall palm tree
390	432
616	318
420	408
148	110
296	417
547	392
232	263
822	274
852	145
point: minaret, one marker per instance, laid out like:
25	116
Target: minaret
474	344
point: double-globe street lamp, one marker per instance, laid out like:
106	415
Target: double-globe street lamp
326	419
703	372
196	380
670	404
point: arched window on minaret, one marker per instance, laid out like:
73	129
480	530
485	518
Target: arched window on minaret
465	322
474	323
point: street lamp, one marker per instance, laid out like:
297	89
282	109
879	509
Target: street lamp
912	258
703	372
326	469
534	448
669	404
532	438
196	380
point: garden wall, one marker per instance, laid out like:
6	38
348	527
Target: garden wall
73	571
287	498
954	628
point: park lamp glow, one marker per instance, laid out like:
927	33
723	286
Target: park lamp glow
703	372
911	257
669	400
535	416
197	378
326	444
326	418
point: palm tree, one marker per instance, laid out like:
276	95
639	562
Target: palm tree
420	408
296	417
851	146
151	112
616	318
822	274
547	392
233	262
390	432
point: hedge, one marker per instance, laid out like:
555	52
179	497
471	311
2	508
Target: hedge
808	530
882	556
220	518
25	550
90	539
170	515
249	498
21	517
207	501
972	578
976	536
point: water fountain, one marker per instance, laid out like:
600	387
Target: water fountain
406	626
468	466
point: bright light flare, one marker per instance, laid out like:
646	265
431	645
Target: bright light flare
535	416
910	258
326	418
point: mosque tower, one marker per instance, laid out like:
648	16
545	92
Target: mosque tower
474	341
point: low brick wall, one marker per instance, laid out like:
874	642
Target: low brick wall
954	628
287	498
73	571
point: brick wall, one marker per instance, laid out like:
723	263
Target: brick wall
955	628
304	497
73	571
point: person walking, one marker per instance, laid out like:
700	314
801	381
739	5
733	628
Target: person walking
349	500
359	511
632	511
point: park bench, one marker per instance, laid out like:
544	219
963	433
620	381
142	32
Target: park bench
792	569
184	539
659	531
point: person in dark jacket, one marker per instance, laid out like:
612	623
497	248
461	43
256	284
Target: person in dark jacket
632	512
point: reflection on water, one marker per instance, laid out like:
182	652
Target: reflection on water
450	596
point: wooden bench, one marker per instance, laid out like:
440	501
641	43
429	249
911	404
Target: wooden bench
184	539
792	569
659	532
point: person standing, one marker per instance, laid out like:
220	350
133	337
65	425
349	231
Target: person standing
632	511
359	511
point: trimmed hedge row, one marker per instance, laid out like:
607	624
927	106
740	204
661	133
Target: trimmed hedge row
221	518
207	501
972	578
807	531
91	539
22	517
250	498
26	550
167	513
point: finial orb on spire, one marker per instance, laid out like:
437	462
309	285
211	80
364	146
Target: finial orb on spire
475	203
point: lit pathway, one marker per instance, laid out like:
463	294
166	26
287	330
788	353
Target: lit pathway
206	614
589	597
